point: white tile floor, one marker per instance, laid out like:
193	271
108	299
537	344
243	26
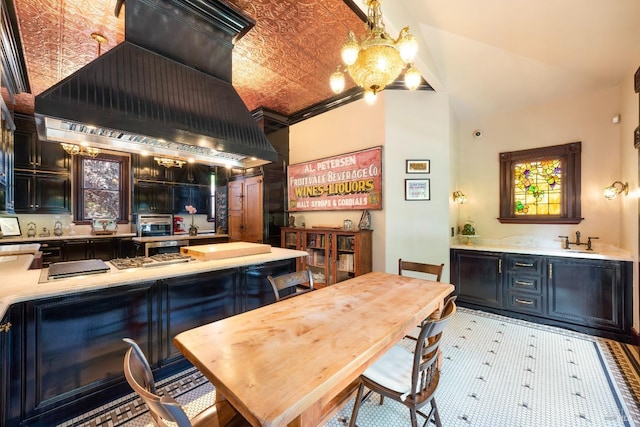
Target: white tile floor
496	372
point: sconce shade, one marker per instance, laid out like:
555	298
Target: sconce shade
459	197
612	191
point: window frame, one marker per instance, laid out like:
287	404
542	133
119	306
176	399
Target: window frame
570	156
125	186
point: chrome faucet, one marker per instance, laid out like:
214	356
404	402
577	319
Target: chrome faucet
578	238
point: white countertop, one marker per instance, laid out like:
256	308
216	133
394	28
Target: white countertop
19	249
604	253
21	284
63	237
182	236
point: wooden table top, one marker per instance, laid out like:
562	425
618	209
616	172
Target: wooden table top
281	363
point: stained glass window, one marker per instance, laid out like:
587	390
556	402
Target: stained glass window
538	188
541	185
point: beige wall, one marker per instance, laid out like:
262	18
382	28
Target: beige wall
421	125
408	125
629	232
585	118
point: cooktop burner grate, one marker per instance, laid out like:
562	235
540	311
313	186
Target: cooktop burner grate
152	261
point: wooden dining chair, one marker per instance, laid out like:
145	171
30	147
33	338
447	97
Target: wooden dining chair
432	269
406	377
164	408
291	284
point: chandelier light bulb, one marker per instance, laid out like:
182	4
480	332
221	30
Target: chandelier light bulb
370	97
412	78
407	45
337	82
377	59
350	49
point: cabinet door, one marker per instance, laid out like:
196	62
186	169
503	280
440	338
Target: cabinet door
23	195
152	198
190	195
24	149
52	193
93	322
102	249
42	193
253	208
50	156
11	374
76	250
195	300
317	245
344	256
235	209
477	277
145	167
586	292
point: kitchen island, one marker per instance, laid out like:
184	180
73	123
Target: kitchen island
61	343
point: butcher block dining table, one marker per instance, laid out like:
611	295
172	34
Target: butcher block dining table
295	362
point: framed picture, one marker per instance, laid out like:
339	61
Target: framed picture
418	166
417	189
10	226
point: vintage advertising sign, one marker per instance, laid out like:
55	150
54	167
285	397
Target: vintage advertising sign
350	181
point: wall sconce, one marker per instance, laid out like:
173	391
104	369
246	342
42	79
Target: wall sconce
459	197
616	188
169	163
73	150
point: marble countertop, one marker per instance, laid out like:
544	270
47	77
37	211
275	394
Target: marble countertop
19	249
63	237
21	284
182	236
603	252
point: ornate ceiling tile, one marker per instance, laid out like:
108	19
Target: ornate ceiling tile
282	64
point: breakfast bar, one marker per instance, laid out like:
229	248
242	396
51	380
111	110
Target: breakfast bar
61	350
288	363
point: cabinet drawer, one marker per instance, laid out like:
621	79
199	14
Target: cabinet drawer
525	263
525	303
521	283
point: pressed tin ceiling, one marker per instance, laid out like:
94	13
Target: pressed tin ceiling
282	64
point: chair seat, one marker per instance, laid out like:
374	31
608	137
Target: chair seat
393	370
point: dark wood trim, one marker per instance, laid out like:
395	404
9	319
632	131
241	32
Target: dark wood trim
571	174
125	187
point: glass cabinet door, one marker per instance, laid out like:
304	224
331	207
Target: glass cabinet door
345	261
317	246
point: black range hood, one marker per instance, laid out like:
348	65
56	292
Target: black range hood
165	90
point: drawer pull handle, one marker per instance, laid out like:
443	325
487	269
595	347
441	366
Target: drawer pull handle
522	301
4	327
522	264
521	283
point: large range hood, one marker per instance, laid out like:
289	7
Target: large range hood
165	90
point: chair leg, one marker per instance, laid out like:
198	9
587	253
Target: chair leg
356	406
436	414
414	417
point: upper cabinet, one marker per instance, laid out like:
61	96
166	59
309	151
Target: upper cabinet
158	189
42	172
33	154
7	128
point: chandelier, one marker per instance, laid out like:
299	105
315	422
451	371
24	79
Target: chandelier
377	60
169	163
81	150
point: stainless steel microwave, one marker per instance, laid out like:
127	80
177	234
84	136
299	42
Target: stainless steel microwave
151	225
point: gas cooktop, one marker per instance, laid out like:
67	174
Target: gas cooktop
152	261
